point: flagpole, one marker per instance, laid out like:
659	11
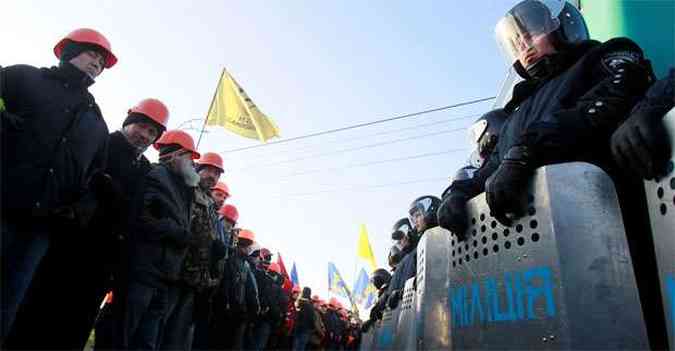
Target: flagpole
207	113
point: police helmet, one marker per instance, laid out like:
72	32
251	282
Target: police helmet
425	206
530	21
380	277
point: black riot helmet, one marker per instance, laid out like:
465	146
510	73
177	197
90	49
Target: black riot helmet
395	256
401	229
425	206
533	32
380	277
484	133
464	173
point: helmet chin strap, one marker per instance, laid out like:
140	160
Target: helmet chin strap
545	66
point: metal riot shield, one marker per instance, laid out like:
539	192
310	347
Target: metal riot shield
661	202
406	332
559	278
431	300
367	340
386	337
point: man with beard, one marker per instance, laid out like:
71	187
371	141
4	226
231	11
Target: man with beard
159	240
54	142
192	310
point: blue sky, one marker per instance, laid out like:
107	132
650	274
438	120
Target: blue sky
311	66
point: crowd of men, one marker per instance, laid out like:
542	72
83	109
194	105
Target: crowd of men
578	100
85	214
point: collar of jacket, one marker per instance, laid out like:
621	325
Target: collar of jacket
118	138
529	86
69	75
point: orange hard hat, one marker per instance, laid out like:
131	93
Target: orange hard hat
316	298
274	267
153	109
246	234
211	159
333	303
220	186
296	288
88	36
178	137
230	212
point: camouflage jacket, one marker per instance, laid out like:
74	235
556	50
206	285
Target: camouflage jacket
197	267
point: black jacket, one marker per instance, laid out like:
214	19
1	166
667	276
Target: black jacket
161	234
570	115
128	169
238	290
49	160
305	317
405	270
269	293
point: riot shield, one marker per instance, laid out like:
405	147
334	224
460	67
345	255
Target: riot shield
559	278
431	300
406	332
387	335
661	203
367	340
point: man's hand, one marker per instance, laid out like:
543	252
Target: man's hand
504	189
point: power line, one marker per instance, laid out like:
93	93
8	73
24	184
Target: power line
371	163
360	125
385	132
357	148
363	187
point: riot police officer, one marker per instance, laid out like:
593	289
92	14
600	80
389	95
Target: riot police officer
574	94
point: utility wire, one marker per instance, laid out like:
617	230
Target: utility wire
371	163
385	132
362	187
357	148
360	125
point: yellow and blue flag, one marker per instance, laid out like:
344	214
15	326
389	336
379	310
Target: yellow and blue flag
364	292
336	284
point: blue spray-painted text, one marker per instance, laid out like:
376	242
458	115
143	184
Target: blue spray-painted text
510	297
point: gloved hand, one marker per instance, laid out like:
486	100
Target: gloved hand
452	214
505	188
394	298
641	144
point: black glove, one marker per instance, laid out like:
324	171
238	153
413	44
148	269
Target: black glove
641	144
11	121
452	214
504	189
107	190
394	298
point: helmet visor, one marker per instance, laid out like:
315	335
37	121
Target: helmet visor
524	31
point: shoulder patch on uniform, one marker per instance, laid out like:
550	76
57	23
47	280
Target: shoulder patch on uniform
614	60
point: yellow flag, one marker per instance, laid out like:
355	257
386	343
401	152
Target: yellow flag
364	251
232	109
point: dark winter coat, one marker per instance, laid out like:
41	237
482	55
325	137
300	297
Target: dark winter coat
570	115
161	233
50	157
305	317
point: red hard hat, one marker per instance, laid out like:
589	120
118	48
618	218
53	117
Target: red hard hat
296	288
274	267
220	186
316	298
88	36
230	212
153	109
211	159
178	137
246	234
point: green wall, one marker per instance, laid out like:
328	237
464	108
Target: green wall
651	23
